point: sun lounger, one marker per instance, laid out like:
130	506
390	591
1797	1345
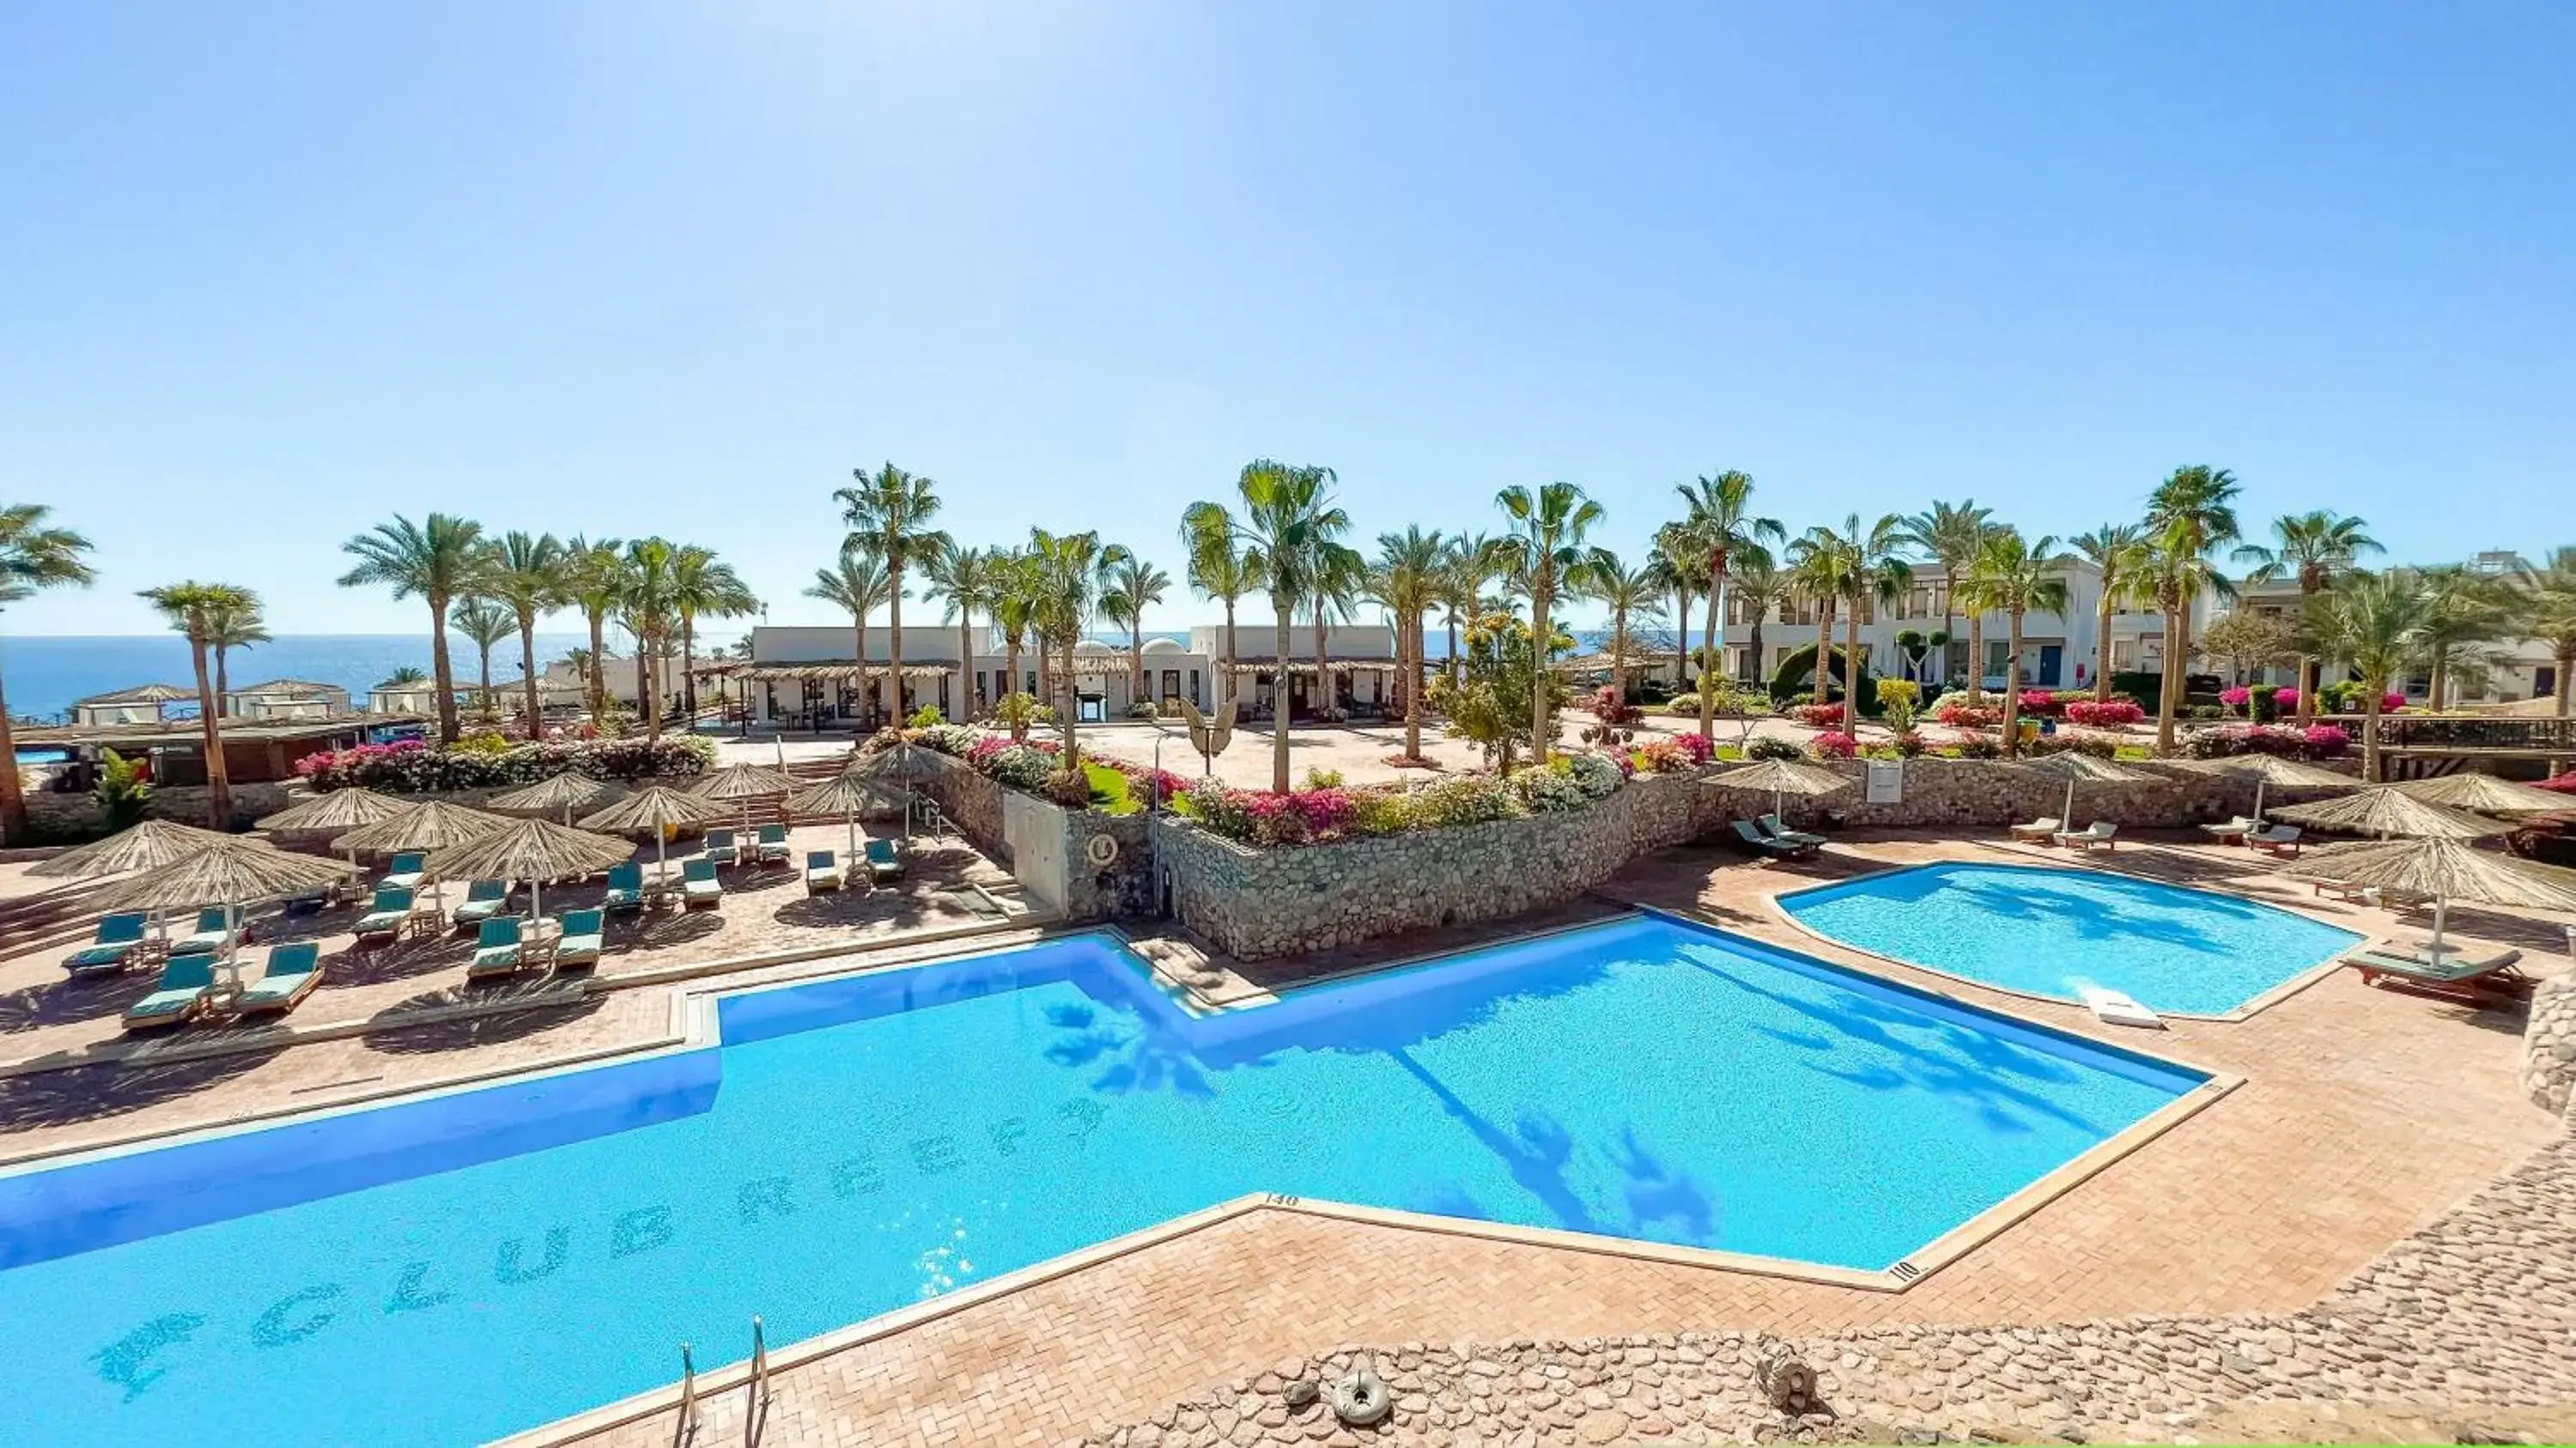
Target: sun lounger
773	844
112	947
187	984
625	888
822	871
388	915
1770	825
292	973
1762	844
496	950
210	937
720	849
2113	1008
2234	830
885	862
578	949
699	886
2491	978
2040	830
484	899
2277	840
406	871
2099	833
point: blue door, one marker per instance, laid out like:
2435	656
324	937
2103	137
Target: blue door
2051	658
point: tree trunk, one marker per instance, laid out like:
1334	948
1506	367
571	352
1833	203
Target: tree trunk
1711	650
688	670
1851	671
1450	665
219	784
1010	667
2012	688
1822	675
528	668
965	700
483	673
1413	689
2370	734
441	675
1136	664
1072	710
2565	660
2102	649
223	681
645	702
2169	681
2441	677
1619	653
13	793
1279	710
1681	636
598	671
1753	640
894	637
1539	600
1976	657
1226	694
1949	589
1323	681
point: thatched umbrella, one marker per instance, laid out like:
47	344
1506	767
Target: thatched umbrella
145	846
532	850
566	791
843	794
335	812
2385	810
2485	794
657	808
2268	769
743	783
232	873
1782	777
2073	765
2447	870
431	826
898	765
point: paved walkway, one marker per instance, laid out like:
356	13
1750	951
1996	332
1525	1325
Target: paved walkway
2365	1115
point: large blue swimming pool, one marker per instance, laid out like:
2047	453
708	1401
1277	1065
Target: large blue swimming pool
451	1268
2053	932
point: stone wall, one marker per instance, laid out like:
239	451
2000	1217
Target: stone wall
79	815
1086	891
1941	793
972	802
2549	1046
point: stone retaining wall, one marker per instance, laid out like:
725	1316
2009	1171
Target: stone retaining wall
80	814
2549	1046
1981	792
972	802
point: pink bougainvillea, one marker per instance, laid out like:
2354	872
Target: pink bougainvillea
1817	715
2285	700
2108	714
2237	697
1835	746
2038	701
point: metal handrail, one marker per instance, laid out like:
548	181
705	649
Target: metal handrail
755	1410
687	1428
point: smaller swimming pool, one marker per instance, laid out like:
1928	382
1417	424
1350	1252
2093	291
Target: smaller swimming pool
2051	932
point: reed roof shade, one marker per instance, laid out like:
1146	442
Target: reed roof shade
657	808
189	733
145	846
530	850
2269	769
2386	810
140	694
558	791
2445	869
2486	794
1783	776
235	872
290	688
830	670
1251	665
431	826
745	781
335	811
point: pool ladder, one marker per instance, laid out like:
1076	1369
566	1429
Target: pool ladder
755	1407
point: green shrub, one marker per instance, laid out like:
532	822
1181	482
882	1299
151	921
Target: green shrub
925	716
1766	747
1797	672
122	791
1321	778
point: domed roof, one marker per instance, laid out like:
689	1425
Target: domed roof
1092	646
1164	646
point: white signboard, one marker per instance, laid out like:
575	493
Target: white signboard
1886	783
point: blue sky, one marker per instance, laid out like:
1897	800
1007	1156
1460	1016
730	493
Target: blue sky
275	271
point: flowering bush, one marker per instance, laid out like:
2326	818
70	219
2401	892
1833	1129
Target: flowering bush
1980	746
1548	791
1767	747
2039	702
1955	711
1671	756
2327	741
1908	744
1835	746
1818	716
2096	746
2108	714
2237	697
414	767
2285	700
2322	741
1021	766
949	739
2349	697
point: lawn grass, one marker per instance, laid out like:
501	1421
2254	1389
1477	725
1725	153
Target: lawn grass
1109	793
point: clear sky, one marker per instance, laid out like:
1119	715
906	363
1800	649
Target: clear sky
272	272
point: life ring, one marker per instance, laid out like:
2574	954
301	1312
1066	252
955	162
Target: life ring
1361	1397
1100	850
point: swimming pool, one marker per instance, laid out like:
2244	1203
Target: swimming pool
454	1267
2052	932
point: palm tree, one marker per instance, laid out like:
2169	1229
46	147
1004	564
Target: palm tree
2117	551
965	578
1820	569
702	586
1341	578
1014	609
858	587
405	677
1627	593
2190	513
1407	580
1217	569
2315	548
2375	623
524	573
1873	571
1067	573
1761	588
1544	550
2462	611
2548	609
889	515
1288	519
2014	577
1678	566
487	623
191	609
438	561
648	604
594	574
233	622
33	557
1720	522
1952	535
1130	587
1462	593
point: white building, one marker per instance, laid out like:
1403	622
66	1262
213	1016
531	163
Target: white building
286	699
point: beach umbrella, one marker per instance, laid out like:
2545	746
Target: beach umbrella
2265	770
145	846
566	791
1783	777
232	872
424	827
743	783
532	850
2074	765
660	809
2485	794
2446	870
335	812
898	765
2385	810
843	794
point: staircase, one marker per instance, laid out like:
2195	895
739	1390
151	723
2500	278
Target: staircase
63	913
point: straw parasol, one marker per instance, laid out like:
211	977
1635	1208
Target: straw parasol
2485	794
658	808
1782	777
431	826
843	794
2265	770
2447	870
2385	810
532	850
899	765
145	846
232	873
566	791
2075	765
743	783
335	812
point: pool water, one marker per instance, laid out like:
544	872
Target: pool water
2053	932
451	1268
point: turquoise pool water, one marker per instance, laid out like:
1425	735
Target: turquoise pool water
452	1268
2053	932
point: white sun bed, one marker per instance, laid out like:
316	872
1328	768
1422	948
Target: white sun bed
2113	1008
